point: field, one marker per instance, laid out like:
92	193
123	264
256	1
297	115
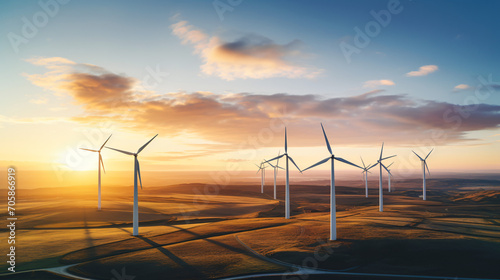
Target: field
198	231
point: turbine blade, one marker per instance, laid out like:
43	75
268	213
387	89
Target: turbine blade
388	157
348	162
363	162
429	154
326	139
260	167
105	142
274	158
89	150
426	166
386	169
102	162
382	150
291	159
318	163
144	146
125	152
390	165
286	145
138	171
280	168
375	164
417	155
278	162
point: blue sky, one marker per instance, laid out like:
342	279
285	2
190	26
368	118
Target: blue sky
258	48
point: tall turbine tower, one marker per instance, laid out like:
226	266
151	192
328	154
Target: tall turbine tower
137	172
365	174
275	167
389	176
424	166
262	170
333	210
287	188
380	190
99	163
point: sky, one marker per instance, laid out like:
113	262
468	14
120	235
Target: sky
219	81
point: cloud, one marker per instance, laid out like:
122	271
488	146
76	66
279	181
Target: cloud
461	87
249	57
376	83
37	120
90	85
423	70
39	101
246	120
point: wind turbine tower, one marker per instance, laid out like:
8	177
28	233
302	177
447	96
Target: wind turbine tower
99	163
137	173
287	187
333	210
424	166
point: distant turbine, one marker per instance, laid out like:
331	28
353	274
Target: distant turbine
99	163
275	167
137	171
262	170
333	212
389	176
287	188
424	165
365	171
380	190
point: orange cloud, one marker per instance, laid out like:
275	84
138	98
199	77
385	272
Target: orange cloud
376	83
252	56
252	118
462	87
423	70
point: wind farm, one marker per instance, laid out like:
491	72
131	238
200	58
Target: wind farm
243	140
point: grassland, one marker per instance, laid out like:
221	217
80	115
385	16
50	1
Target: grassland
197	231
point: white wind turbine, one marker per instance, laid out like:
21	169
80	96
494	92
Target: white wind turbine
99	163
137	172
380	190
287	188
389	176
262	170
424	165
275	167
333	210
365	174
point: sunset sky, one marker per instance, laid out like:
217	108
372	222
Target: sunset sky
219	80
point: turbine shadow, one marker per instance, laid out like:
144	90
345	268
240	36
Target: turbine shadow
188	268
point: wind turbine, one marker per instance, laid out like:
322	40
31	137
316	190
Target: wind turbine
333	210
99	163
389	176
424	165
365	171
137	172
262	170
287	188
275	167
380	190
